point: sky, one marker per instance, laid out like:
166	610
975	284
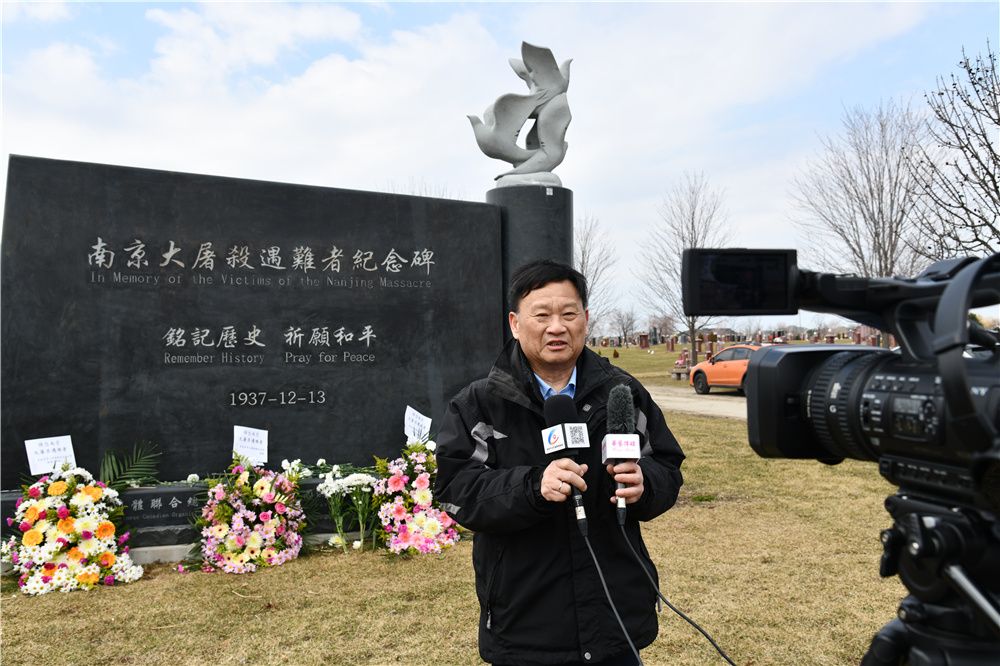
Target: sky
375	96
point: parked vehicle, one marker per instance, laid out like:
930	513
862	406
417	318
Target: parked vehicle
727	369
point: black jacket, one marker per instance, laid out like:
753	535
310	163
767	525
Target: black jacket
540	596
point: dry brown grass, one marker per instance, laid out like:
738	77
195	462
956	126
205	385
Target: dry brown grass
776	559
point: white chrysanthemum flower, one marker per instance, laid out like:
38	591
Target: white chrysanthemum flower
335	541
431	445
81	500
356	545
320	462
86	524
90	546
193	478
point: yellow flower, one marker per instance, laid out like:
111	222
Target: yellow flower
106	559
32	538
31	515
105	530
87	578
74	554
243	478
57	488
67	525
94	492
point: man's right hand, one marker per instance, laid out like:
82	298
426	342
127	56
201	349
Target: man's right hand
560	477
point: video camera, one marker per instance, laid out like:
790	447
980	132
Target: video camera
928	413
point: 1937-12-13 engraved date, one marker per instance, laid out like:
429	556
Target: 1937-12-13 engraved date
276	398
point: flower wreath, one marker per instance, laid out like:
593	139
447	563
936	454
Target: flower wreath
253	518
68	524
411	521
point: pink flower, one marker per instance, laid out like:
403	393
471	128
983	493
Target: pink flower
238	469
24	526
34	491
399	511
62	541
265	516
44	479
100	484
240	541
10	522
49	566
109	580
220	494
86	534
63	512
181	569
14	557
279	507
123	538
423	481
46	579
279	530
397	483
17	503
268	497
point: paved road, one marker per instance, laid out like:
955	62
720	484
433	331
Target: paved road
720	402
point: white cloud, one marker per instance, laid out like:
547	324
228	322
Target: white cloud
34	11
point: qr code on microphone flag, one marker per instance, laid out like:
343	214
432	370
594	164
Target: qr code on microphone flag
576	436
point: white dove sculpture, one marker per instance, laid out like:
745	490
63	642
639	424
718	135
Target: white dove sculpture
545	145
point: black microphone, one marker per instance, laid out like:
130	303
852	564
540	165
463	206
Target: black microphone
564	432
620	442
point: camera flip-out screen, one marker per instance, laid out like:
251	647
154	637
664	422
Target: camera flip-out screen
739	282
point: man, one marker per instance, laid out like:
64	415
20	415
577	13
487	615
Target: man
541	601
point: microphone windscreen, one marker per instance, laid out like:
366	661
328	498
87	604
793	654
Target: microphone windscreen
621	411
559	409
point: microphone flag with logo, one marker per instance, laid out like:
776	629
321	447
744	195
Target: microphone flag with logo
564	432
621	442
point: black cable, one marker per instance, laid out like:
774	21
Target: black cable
607	593
667	602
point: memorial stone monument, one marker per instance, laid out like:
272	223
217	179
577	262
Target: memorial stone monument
143	305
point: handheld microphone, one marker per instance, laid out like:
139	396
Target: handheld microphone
621	442
564	432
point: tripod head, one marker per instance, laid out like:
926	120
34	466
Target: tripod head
948	557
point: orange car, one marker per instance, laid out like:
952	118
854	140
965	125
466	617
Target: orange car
728	368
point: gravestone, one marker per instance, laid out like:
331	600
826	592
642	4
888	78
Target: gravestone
142	305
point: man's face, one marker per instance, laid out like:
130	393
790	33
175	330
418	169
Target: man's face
551	325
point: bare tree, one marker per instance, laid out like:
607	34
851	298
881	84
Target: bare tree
856	197
594	257
957	177
691	216
624	322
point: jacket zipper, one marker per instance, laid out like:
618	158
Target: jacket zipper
489	590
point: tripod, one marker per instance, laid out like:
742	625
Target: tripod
948	557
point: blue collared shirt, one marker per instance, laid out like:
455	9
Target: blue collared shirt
548	391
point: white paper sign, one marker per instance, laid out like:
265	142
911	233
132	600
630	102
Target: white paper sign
251	444
49	453
416	425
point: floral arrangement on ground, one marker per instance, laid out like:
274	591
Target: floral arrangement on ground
253	518
68	540
411	520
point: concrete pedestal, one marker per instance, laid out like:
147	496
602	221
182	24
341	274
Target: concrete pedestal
536	223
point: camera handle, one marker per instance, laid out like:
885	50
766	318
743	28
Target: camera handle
951	331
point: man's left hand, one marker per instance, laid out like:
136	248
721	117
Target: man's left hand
630	474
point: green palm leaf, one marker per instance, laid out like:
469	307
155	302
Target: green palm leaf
119	469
